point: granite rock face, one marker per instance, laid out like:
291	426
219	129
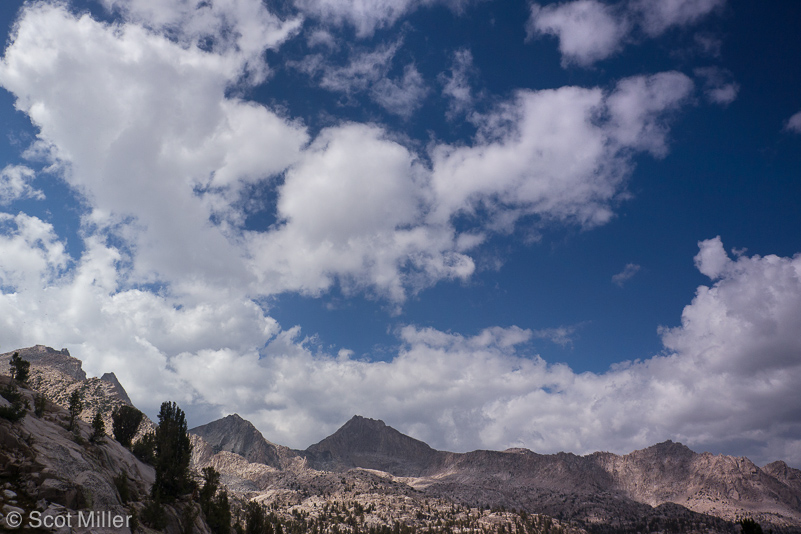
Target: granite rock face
236	435
41	356
56	374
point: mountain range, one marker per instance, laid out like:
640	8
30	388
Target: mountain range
665	481
378	477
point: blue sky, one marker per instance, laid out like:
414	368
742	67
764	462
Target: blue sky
563	226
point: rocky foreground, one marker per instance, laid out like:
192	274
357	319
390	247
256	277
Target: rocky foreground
369	478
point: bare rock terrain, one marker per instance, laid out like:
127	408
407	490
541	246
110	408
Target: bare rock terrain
49	470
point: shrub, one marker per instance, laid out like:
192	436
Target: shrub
18	407
121	483
125	422
39	404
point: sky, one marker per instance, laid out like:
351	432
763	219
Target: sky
566	226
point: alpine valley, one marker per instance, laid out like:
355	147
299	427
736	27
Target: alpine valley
368	478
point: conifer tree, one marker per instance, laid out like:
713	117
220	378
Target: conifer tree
125	421
173	453
76	406
20	369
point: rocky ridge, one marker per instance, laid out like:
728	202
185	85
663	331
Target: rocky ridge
666	485
57	374
234	434
58	473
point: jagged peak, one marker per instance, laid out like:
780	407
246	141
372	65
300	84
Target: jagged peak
111	378
358	420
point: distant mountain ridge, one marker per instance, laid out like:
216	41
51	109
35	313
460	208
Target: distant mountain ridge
665	480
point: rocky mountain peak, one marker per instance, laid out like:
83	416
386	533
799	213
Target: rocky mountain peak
234	434
117	388
42	356
666	450
370	443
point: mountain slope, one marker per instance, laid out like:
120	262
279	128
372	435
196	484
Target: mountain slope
371	444
44	467
234	434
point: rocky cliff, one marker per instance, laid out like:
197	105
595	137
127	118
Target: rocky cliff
51	475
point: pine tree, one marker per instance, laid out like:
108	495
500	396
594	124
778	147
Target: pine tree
98	427
20	369
173	453
76	406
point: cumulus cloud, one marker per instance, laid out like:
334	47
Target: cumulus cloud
143	130
794	123
546	153
590	30
139	125
32	256
727	380
660	15
402	96
15	183
352	210
235	28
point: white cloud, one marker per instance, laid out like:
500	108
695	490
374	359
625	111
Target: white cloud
138	125
235	28
141	127
546	153
639	107
794	123
726	382
626	274
660	15
588	30
32	255
718	85
351	211
368	72
401	96
367	16
15	184
456	84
